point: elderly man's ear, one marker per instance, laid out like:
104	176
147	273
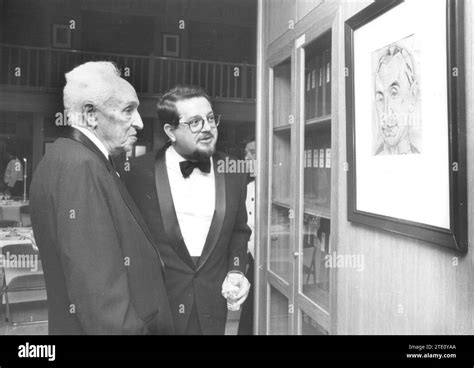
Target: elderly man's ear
89	115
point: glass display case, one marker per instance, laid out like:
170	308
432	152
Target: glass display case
317	173
297	276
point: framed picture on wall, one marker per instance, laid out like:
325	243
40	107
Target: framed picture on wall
406	143
170	45
61	36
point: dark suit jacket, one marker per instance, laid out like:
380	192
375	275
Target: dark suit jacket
103	274
225	248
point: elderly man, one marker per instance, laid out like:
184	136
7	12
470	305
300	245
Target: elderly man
197	214
396	98
103	272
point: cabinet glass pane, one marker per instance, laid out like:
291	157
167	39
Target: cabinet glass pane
281	93
317	173
279	259
309	326
278	319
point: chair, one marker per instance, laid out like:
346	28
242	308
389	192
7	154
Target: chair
21	277
9	223
25	216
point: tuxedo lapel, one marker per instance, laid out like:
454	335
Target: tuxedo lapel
76	135
168	212
219	214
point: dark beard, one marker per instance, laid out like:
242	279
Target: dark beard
200	156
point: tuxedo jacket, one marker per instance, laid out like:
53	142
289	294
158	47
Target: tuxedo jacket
225	248
102	271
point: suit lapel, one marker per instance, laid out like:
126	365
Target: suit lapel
76	135
219	214
168	212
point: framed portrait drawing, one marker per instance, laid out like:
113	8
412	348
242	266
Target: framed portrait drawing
406	145
170	45
61	36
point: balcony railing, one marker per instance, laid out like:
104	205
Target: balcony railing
45	67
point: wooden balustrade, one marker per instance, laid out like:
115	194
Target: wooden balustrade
45	67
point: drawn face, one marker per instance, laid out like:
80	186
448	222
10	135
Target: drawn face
198	145
395	100
119	120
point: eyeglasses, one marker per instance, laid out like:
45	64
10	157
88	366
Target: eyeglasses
197	124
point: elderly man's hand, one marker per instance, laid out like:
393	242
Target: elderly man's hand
235	289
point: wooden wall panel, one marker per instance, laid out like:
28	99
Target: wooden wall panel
303	7
279	13
407	286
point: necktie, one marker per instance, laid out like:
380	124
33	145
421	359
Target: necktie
187	167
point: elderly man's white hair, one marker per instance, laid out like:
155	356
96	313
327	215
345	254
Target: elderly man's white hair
88	82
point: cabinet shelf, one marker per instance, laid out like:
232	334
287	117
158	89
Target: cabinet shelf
318	211
310	208
319	121
282	129
284	203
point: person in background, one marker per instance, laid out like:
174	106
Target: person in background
13	175
246	316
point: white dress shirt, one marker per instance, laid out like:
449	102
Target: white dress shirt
194	201
250	204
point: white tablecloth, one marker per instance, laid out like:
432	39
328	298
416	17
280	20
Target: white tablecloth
19	235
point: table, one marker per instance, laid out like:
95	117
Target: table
10	210
21	235
17	235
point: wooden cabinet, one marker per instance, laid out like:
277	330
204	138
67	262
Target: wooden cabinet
295	292
302	226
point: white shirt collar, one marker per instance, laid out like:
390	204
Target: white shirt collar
174	157
94	140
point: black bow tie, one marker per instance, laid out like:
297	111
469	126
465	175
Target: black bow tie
187	167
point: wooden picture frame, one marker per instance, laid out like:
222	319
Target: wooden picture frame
61	36
406	128
170	45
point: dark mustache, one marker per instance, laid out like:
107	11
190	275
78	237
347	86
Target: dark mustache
207	136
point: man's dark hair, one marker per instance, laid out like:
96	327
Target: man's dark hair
166	107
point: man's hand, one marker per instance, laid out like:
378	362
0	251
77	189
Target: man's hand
235	289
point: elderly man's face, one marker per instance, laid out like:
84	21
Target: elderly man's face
195	146
395	101
118	118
